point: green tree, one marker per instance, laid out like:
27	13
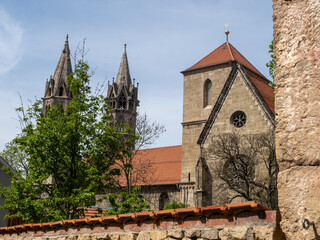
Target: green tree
71	154
127	202
271	64
175	205
16	157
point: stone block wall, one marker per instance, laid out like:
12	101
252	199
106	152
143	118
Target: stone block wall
195	114
247	220
297	103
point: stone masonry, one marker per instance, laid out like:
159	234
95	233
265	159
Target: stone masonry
297	102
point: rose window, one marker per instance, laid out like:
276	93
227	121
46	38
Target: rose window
238	119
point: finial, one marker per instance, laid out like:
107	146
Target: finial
108	82
113	80
137	84
227	31
67	37
125	46
134	80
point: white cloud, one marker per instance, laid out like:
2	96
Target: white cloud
10	42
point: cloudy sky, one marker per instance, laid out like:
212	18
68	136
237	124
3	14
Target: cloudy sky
163	38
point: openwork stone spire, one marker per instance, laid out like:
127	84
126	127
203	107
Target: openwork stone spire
56	91
63	69
123	95
123	77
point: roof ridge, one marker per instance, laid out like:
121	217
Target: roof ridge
204	57
257	71
161	147
232	57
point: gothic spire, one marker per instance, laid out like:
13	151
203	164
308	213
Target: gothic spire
123	77
63	69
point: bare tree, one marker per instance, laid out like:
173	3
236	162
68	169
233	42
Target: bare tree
247	164
139	168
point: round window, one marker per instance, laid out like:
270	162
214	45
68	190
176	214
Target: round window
238	119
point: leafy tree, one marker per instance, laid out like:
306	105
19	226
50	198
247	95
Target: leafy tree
16	157
247	165
128	202
71	153
271	64
136	168
175	205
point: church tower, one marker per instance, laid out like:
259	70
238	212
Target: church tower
56	91
123	95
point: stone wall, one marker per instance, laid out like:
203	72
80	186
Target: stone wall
247	220
195	114
297	102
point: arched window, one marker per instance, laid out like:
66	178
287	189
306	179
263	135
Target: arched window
122	102
164	199
60	91
207	93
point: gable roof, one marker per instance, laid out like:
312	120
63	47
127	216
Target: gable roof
223	54
164	165
259	88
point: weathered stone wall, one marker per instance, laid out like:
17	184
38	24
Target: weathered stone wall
297	102
238	98
151	194
247	220
195	114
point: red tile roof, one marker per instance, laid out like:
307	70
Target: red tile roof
265	90
223	54
164	165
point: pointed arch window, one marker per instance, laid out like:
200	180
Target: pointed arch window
60	91
122	102
207	93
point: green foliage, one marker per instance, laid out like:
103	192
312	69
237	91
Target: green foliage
129	202
71	153
175	205
271	64
16	157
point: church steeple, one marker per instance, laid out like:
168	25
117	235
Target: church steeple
56	91
123	95
123	76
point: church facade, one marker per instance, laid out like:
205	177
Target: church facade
223	93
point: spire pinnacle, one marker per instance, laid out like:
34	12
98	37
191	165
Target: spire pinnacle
63	69
227	31
123	77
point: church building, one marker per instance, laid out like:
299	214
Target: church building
222	93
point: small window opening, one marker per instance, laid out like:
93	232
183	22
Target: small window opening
189	178
163	200
122	102
61	91
207	94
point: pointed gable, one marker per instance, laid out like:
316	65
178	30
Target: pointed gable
259	89
223	54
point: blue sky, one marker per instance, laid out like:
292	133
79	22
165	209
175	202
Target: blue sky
163	38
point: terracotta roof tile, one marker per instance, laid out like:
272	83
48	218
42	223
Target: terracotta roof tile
223	54
165	165
265	90
228	209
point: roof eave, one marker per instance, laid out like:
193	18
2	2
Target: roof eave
207	66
